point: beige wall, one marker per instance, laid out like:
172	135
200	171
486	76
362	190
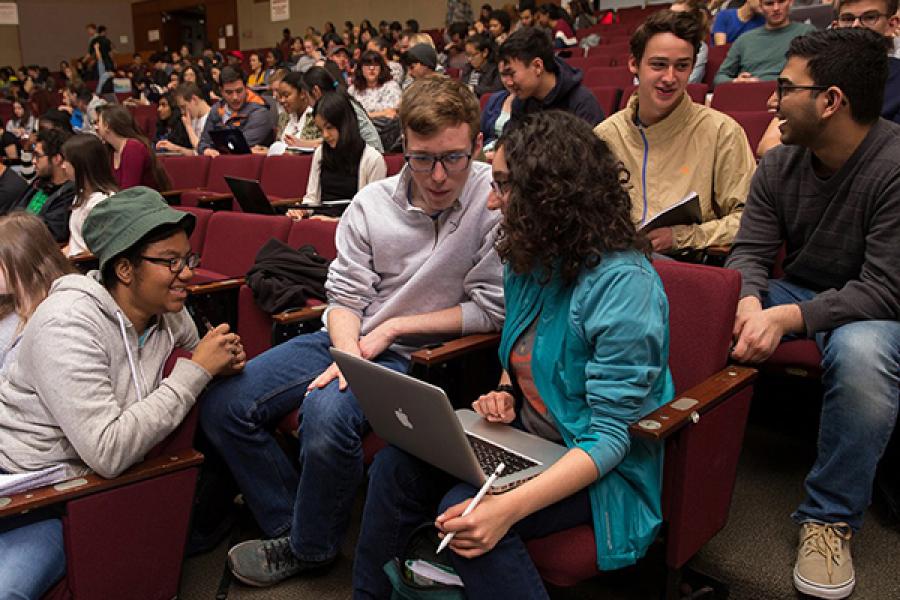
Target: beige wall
258	31
9	46
52	30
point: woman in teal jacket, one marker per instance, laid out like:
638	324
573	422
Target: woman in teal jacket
585	353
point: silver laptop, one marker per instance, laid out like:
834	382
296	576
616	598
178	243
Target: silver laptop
417	417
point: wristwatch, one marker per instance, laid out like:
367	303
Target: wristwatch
505	387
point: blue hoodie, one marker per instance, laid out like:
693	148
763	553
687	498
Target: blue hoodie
568	94
891	108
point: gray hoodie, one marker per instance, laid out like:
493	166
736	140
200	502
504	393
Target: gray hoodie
85	392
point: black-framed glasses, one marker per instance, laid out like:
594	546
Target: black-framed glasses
176	265
867	19
501	188
453	162
783	85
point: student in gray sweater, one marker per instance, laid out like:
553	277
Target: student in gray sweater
831	197
758	55
415	264
86	390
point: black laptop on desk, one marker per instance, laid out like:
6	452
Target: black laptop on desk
229	141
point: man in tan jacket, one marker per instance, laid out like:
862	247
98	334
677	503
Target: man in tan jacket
674	148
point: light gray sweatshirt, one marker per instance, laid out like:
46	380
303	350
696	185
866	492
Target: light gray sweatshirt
85	392
395	260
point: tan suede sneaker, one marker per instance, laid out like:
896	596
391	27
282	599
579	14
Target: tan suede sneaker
824	567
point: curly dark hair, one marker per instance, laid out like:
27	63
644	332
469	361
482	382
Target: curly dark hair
370	57
567	202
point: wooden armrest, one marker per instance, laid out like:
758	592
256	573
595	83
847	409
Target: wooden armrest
287	202
83	257
722	250
299	315
430	357
215	286
214	197
93	483
173	193
689	407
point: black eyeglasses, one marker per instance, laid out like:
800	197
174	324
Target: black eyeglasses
783	85
501	188
867	19
453	162
177	264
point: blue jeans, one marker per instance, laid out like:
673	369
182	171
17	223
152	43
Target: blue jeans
861	371
32	556
102	76
405	492
237	416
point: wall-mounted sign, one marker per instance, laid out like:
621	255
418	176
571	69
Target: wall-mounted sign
9	14
153	35
280	10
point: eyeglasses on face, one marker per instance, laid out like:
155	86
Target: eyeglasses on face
867	19
177	264
453	162
501	188
784	85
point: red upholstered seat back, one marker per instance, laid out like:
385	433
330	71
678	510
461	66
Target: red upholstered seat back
285	176
702	303
619	77
198	236
245	166
607	97
754	124
714	60
186	172
233	239
394	163
742	96
319	234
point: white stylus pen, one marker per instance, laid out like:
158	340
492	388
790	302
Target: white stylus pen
474	502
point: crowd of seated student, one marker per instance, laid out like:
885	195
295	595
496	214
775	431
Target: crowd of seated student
481	72
170	124
730	23
669	145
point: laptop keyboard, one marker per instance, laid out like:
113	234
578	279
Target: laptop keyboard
490	455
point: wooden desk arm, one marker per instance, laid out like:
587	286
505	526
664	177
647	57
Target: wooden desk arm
81	258
689	407
722	250
215	286
213	197
175	193
292	202
430	357
93	483
299	315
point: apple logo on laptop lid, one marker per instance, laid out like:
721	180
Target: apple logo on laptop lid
404	420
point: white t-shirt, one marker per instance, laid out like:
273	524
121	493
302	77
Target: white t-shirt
76	222
198	124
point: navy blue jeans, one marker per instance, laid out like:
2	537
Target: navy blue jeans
861	371
405	492
32	555
238	415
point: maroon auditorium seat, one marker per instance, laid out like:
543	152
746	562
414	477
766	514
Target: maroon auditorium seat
198	236
607	97
742	96
714	60
186	172
285	177
246	166
394	162
619	77
754	123
702	437
232	241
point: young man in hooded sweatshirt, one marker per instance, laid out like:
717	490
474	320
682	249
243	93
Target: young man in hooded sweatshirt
540	81
86	390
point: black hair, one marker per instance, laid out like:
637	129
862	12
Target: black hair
331	37
230	75
84	94
370	57
319	77
459	28
503	17
295	80
336	109
482	42
52	140
395	26
101	29
529	43
851	59
90	160
682	25
412	25
135	252
56	119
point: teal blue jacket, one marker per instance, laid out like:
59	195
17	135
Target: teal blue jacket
600	363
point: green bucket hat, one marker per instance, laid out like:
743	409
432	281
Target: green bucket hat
120	221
